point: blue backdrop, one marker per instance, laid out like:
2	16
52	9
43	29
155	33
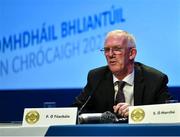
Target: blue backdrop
53	44
47	47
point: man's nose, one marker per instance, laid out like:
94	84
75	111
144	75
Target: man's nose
111	53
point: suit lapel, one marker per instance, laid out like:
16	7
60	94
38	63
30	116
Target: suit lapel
138	86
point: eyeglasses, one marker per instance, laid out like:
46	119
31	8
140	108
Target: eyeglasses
115	50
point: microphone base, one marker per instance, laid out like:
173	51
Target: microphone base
99	118
89	118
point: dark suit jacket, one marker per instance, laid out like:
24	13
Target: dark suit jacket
150	87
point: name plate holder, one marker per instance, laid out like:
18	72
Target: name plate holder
161	113
49	116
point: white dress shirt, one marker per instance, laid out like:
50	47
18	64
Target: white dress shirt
128	88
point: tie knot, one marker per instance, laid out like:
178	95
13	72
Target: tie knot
120	84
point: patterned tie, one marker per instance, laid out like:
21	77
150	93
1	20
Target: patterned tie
120	94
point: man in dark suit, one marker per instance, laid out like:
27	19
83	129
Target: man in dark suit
142	84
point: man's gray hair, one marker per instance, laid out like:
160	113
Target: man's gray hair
130	37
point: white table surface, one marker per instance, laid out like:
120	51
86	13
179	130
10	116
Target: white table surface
13	129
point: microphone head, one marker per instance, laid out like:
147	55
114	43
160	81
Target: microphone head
108	117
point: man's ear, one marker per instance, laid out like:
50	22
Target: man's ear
132	53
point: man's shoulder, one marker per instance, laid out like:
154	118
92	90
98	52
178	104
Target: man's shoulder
148	69
99	70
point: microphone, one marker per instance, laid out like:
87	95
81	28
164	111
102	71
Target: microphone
106	117
80	110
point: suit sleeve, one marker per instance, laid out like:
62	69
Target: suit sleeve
162	91
83	96
94	79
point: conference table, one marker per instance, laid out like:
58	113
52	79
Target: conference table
94	130
115	130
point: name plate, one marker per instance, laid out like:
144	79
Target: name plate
162	113
49	116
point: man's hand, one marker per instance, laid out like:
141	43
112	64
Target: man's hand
121	109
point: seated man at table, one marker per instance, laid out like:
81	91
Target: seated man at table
123	82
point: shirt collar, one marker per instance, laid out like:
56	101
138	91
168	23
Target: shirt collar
129	79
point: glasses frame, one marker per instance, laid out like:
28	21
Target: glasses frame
114	50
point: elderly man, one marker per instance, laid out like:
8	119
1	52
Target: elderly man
123	82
